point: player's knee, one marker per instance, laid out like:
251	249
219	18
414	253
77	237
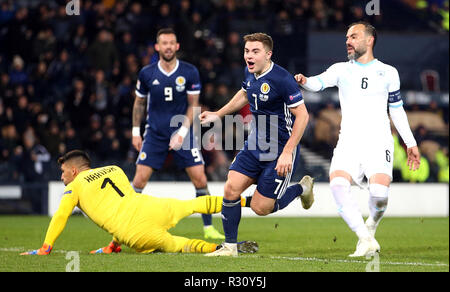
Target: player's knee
261	211
231	192
379	195
260	208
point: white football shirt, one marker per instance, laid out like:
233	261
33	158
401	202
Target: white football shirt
365	90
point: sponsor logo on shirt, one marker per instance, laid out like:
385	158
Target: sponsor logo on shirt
293	96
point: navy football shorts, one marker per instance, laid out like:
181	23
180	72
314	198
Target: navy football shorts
154	152
269	183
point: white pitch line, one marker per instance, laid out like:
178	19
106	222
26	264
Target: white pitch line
359	262
309	259
22	249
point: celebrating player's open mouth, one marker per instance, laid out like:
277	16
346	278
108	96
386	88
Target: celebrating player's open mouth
250	65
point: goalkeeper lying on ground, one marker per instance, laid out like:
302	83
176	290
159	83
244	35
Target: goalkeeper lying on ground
139	221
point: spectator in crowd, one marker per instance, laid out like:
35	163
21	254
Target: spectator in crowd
34	165
76	70
103	52
17	74
442	162
78	104
60	72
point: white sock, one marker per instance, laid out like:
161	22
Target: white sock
378	200
347	207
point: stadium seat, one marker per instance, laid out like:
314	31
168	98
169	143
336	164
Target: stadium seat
430	80
429	149
327	126
431	121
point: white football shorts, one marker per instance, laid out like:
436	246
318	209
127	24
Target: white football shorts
363	159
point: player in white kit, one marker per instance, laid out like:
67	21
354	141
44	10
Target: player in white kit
367	88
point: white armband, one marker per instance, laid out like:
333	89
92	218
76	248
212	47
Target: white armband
400	120
183	131
136	131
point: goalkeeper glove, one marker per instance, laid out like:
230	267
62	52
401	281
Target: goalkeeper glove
112	247
44	250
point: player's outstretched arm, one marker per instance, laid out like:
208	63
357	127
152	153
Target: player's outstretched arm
176	141
300	78
55	227
238	101
310	84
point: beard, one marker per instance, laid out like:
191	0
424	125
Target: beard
168	57
357	53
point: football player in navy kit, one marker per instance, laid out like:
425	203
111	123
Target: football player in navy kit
270	153
164	90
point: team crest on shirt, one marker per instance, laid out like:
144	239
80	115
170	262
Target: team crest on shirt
265	88
142	156
180	82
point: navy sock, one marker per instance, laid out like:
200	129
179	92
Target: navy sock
231	216
291	193
207	218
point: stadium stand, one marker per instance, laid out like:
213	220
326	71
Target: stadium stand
69	79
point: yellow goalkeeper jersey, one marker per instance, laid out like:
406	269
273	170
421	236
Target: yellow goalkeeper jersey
105	195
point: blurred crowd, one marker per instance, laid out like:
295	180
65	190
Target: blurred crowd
67	81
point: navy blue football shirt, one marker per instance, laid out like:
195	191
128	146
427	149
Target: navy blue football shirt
166	93
270	96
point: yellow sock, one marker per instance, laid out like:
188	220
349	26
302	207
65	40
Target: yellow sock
208	204
243	201
199	246
211	204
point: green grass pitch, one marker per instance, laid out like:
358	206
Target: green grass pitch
286	245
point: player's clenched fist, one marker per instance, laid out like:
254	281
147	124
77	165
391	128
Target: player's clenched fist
284	164
208	117
300	78
137	142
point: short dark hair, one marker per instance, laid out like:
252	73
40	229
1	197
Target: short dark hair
264	38
167	30
80	155
369	29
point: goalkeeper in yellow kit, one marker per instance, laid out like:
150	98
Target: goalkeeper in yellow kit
139	221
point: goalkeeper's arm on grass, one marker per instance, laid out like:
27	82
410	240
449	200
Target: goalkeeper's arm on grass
55	227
